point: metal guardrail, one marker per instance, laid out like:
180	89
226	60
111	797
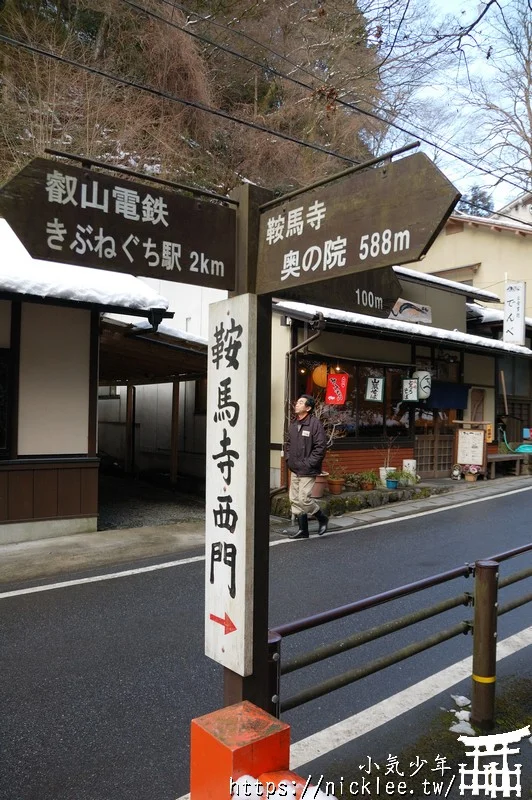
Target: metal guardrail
484	598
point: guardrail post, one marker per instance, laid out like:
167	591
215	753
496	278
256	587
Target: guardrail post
484	644
274	673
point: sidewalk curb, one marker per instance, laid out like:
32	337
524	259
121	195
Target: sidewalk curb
474	493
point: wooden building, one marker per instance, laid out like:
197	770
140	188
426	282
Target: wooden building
464	367
49	361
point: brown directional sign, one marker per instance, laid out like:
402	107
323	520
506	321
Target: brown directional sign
373	292
374	218
78	216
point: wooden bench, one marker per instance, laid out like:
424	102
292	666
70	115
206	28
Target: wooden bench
495	458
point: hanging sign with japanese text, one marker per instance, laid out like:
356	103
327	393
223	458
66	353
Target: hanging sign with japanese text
91	219
373	218
410	389
374	390
230	470
336	391
514	312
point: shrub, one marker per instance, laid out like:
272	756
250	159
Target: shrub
354	480
336	506
369	476
355	502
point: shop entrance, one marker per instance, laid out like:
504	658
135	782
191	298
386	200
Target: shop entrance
434	438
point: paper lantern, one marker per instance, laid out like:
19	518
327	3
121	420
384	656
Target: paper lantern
424	381
319	375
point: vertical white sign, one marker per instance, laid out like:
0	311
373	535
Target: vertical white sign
514	312
230	495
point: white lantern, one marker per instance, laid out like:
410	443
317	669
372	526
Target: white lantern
424	382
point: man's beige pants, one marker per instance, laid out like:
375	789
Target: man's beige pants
300	500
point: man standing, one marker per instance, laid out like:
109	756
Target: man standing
305	451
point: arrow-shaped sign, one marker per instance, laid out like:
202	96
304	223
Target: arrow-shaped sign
91	219
227	622
380	217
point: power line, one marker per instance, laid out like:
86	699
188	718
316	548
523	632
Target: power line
173	98
225	115
300	83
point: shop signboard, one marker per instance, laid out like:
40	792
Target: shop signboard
336	391
374	218
92	219
470	447
408	311
514	312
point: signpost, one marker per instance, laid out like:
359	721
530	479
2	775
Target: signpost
381	216
333	244
91	219
373	292
230	495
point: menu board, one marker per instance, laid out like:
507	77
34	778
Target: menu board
470	448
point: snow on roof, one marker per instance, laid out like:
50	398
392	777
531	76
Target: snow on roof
22	274
444	282
411	328
494	222
174	332
518	201
491	314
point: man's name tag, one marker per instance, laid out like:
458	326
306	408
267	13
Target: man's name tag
305	433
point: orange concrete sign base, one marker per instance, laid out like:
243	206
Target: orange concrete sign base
232	742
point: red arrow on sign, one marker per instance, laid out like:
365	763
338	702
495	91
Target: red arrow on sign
227	622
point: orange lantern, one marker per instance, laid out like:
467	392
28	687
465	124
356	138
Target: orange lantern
319	375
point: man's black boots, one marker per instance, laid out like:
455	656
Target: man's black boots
323	520
303	528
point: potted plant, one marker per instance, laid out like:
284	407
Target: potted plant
337	473
406	477
393	478
387	446
320	484
369	479
335	477
470	472
353	481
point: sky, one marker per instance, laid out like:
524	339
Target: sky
459	173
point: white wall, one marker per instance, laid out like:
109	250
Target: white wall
499	253
190	304
54	380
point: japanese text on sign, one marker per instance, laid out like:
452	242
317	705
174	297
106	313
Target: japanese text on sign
514	312
358	222
410	389
374	390
228	496
90	219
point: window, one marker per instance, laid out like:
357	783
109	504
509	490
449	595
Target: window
516	376
359	418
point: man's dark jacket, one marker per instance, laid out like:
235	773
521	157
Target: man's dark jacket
306	446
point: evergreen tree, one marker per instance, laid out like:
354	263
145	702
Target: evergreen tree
476	202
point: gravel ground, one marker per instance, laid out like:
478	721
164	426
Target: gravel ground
130	503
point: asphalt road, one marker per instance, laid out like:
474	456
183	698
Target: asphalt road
99	681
